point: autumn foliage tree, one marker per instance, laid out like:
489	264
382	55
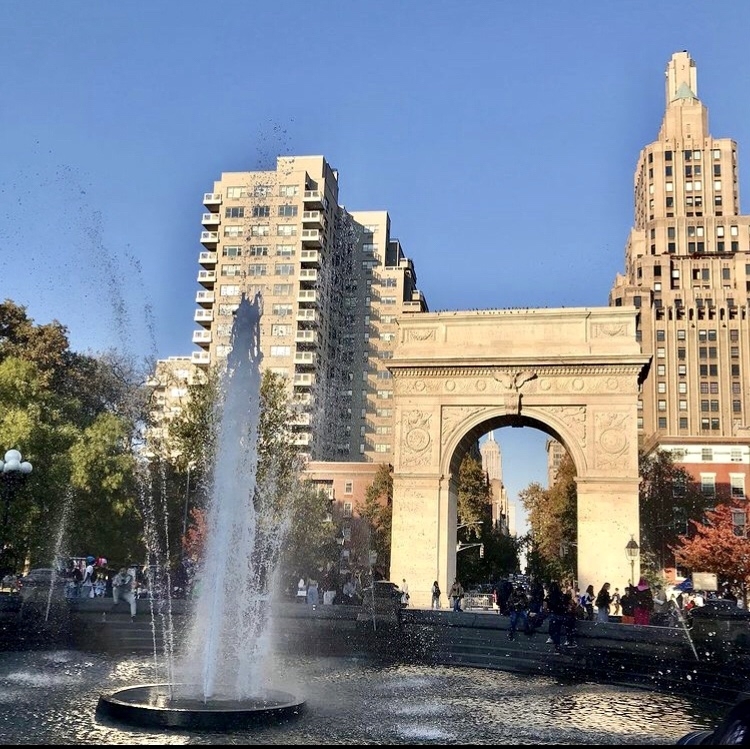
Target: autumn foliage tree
552	517
715	546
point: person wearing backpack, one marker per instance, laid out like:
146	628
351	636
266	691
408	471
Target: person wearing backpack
122	589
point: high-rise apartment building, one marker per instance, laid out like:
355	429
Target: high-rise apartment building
555	452
492	464
332	283
687	270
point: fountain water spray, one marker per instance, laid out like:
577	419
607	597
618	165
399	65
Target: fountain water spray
223	676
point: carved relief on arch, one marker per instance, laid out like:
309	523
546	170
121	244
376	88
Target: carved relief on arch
416	440
419	334
574	418
453	416
612	446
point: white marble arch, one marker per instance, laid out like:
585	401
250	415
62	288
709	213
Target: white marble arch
573	373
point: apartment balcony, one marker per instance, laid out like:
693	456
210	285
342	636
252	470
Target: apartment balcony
407	264
207	278
308	295
304	380
204	316
308	274
201	358
306	358
310	257
202	337
313	199
212	199
312	237
301	420
211	219
306	336
313	219
209	238
204	297
308	316
302	439
207	259
303	399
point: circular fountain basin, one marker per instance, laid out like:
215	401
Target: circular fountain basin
154	706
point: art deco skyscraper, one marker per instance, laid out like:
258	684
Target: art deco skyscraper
687	269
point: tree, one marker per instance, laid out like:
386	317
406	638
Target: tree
74	418
552	516
719	545
668	499
473	503
377	510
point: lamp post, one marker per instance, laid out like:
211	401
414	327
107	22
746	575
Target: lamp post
14	470
632	550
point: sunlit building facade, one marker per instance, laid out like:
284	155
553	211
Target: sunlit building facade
687	270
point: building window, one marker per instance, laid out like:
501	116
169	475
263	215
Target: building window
708	484
736	406
286	230
683	405
287	210
229	290
736	455
260	230
280	330
257	250
231	251
281	310
288	191
261	211
682	387
707	455
662	405
282	289
739	522
661	370
660	353
235	212
662	422
661	387
737	484
233	231
284	269
257	270
285	250
683	422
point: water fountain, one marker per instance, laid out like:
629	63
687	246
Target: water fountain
221	681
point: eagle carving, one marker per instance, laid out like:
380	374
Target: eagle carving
513	382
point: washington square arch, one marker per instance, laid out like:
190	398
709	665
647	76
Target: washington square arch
572	373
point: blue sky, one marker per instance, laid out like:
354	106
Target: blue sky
500	136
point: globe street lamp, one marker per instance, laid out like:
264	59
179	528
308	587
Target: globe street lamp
14	470
632	550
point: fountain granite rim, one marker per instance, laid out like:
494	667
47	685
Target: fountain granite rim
150	706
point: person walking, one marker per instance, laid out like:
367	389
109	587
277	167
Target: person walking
556	607
616	602
87	583
122	589
404	593
587	601
435	595
602	602
456	594
518	607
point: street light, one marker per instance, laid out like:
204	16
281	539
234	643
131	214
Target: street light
632	550
14	470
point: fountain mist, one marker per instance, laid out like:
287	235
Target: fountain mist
226	647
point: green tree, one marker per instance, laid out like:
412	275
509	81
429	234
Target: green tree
377	511
61	409
473	502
